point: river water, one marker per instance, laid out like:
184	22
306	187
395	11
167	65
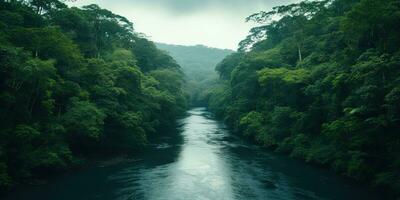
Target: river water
209	163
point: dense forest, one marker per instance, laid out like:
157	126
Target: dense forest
317	80
77	82
198	63
320	80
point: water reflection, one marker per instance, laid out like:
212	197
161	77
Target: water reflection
207	163
200	171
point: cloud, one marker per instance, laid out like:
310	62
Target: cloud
215	23
181	7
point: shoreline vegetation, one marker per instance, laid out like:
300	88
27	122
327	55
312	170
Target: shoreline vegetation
75	83
319	81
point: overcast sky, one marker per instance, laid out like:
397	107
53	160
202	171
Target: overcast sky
214	23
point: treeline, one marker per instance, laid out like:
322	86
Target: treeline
320	80
198	63
77	82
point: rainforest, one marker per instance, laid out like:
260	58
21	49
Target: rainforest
306	107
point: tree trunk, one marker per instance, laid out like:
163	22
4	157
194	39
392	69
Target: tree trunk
299	50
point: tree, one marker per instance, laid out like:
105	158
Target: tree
58	102
46	5
293	18
318	80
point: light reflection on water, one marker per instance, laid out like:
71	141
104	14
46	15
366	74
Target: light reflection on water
209	164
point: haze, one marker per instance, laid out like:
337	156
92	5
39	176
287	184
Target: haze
214	23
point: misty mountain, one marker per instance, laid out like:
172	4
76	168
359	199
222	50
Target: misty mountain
198	62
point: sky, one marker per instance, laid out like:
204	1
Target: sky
213	23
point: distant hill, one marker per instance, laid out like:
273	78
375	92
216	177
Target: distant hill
198	63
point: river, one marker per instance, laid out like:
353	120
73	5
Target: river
208	163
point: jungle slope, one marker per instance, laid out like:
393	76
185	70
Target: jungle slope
320	80
198	63
77	82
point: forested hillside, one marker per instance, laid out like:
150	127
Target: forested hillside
198	63
320	80
77	82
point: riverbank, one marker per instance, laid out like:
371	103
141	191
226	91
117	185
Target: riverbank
208	162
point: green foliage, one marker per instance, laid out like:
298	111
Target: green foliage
252	123
288	76
319	80
76	82
226	66
5	180
198	63
84	120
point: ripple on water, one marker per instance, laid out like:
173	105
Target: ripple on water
210	164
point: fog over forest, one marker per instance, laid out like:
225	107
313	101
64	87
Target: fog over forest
202	100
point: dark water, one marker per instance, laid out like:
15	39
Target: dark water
209	164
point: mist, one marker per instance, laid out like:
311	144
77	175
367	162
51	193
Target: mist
214	23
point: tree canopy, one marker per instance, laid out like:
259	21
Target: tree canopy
319	80
77	82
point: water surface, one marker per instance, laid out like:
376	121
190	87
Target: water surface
210	163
